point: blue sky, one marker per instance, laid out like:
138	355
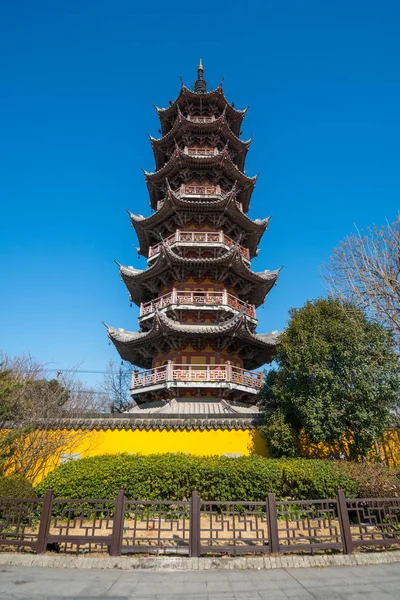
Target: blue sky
77	83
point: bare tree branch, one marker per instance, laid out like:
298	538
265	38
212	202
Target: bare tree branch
365	270
117	383
29	403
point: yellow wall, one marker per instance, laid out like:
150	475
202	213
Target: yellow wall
136	441
389	449
208	442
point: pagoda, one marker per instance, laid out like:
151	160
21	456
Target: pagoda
197	350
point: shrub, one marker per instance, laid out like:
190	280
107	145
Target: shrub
174	476
16	486
373	480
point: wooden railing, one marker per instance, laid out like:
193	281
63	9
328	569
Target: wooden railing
172	372
201	190
198	151
198	237
197	299
201	118
196	373
149	377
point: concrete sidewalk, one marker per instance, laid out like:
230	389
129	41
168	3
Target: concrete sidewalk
182	563
331	583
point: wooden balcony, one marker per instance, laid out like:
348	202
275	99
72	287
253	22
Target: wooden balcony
212	191
200	151
201	190
201	118
178	375
197	300
199	238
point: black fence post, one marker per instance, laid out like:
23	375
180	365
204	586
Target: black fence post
118	524
344	522
44	524
272	520
194	536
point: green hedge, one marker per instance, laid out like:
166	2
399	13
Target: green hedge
174	476
16	486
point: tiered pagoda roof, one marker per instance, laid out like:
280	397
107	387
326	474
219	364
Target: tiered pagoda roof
198	294
189	101
182	167
230	268
218	209
217	129
233	335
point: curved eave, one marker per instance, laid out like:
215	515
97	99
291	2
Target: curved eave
180	160
225	204
229	326
183	125
135	278
262	282
144	227
166	115
130	345
126	343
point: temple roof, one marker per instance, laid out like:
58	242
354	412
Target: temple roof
149	422
137	347
180	161
217	97
183	125
205	407
147	228
168	267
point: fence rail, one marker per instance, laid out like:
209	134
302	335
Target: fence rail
195	527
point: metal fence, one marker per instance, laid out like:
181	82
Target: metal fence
196	527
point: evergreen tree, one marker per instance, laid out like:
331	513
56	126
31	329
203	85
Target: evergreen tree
337	375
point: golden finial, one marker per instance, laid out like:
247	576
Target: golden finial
200	85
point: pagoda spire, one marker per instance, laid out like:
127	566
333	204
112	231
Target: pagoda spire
200	85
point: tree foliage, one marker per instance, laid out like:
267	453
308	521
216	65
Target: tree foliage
16	487
336	378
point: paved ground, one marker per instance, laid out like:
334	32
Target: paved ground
380	582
